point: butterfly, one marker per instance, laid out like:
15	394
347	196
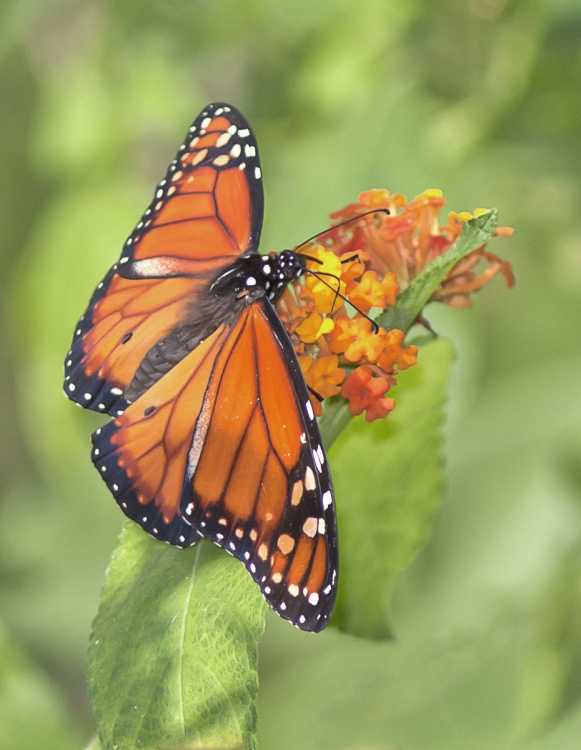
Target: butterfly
214	435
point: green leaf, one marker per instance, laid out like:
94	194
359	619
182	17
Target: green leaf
388	481
173	654
475	233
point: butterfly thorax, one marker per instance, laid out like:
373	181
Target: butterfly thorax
254	275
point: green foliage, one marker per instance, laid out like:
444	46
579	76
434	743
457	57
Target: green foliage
174	648
30	713
386	519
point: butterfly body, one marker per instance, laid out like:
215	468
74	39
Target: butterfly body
214	435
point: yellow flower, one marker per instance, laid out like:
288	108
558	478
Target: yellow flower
314	327
325	287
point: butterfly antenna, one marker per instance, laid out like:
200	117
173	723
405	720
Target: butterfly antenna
318	274
342	224
315	394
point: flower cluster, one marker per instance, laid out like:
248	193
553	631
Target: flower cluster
367	263
409	237
329	341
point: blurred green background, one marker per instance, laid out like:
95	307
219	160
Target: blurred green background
478	97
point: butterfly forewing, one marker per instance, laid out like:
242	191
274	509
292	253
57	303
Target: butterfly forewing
206	211
257	482
208	208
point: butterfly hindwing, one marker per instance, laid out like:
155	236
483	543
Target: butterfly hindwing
142	454
124	320
257	481
206	211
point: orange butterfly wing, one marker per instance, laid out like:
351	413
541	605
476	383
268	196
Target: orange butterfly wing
226	446
142	454
257	481
205	213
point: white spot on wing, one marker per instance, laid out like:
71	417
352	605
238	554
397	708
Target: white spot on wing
317	461
223	140
156	266
310	482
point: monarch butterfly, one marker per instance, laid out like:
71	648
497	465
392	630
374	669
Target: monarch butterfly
214	434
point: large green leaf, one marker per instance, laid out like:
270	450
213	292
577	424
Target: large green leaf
388	480
173	655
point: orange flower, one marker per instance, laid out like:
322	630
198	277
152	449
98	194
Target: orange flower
291	312
325	376
366	393
352	337
394	355
353	265
371	292
313	327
